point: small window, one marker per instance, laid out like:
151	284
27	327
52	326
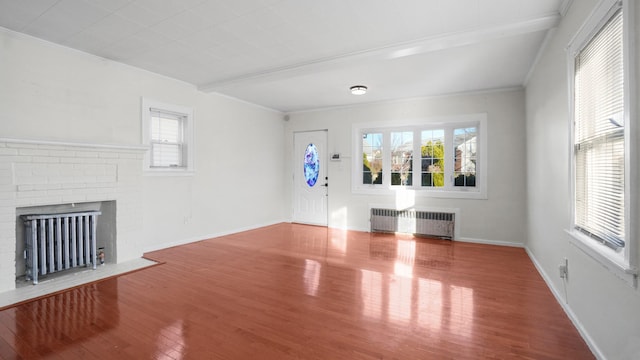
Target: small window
167	130
167	142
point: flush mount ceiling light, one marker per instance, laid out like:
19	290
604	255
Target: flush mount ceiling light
358	90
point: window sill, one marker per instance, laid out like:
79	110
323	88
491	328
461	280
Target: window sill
168	172
444	194
605	256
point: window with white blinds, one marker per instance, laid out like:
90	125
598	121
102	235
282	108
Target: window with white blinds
168	131
599	136
166	139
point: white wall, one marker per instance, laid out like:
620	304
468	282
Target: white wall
498	219
53	93
605	308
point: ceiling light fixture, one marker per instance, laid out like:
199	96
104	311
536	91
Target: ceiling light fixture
358	90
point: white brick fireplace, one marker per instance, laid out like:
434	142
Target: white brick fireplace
44	173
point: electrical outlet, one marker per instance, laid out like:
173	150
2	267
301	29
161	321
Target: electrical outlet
563	269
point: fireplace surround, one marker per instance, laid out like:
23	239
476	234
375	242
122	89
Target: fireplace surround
48	176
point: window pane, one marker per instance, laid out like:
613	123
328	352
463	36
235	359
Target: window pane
311	165
163	129
599	136
372	158
465	149
432	149
401	158
166	154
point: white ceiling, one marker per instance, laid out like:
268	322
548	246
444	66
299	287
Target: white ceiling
292	55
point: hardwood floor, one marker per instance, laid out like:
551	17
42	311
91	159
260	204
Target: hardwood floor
292	291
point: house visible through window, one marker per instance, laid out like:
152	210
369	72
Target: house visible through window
433	158
168	131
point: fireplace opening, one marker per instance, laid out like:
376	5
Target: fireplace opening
105	235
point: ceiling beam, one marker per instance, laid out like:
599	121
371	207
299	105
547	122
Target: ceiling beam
409	48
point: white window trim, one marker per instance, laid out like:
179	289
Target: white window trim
478	192
188	131
623	264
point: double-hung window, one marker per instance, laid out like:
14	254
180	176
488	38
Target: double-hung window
167	130
167	139
601	138
442	158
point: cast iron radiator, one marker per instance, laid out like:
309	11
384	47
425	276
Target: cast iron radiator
427	223
57	242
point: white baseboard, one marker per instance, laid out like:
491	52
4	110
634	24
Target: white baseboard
490	242
207	236
576	322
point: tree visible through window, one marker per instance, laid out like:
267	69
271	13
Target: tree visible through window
372	158
440	157
432	151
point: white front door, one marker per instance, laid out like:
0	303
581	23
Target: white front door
310	181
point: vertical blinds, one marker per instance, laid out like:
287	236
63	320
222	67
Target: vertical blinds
599	136
166	138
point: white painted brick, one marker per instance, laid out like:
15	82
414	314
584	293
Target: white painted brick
25	169
26	187
61	168
100	197
29	201
59	192
87	154
31	194
45	159
102	185
71	179
7	151
62	153
7	195
7	188
108	155
85	191
76	160
74	198
73	186
6	177
136	156
22	146
5	211
7	227
16	158
106	178
33	152
20	180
